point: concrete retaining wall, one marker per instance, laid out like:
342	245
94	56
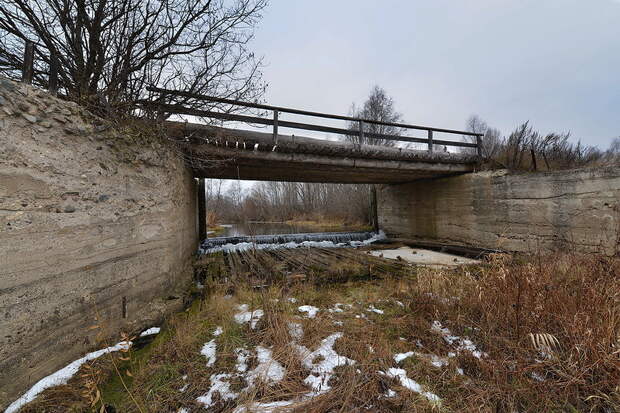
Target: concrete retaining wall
89	219
576	209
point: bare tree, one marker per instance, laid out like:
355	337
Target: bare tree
524	147
110	50
283	201
378	107
614	148
491	139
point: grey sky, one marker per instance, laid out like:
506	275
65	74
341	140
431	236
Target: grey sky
553	62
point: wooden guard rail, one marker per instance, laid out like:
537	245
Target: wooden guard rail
28	68
275	122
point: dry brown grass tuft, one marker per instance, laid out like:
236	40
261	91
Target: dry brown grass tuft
549	324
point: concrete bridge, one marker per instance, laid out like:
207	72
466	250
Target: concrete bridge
362	158
237	154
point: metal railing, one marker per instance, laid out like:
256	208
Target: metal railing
276	123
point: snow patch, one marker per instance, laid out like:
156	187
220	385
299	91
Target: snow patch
402	356
373	309
461	343
218	385
208	350
410	384
151	331
242	360
218	331
244	316
390	393
62	376
339	308
310	310
268	369
323	370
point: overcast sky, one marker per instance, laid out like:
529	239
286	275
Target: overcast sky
553	62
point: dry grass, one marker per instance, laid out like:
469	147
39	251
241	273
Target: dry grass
548	325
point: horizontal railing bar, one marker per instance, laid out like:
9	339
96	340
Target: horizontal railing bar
181	110
303	112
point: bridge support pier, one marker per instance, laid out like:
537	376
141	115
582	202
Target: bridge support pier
202	210
374	219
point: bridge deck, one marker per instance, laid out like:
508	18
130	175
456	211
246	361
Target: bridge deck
238	154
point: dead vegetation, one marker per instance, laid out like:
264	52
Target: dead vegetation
318	265
516	334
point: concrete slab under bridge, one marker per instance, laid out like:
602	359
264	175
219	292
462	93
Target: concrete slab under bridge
222	153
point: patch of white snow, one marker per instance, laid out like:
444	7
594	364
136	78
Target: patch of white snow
242	360
410	384
151	331
208	350
310	310
401	356
244	316
374	309
322	370
62	376
218	385
461	343
268	369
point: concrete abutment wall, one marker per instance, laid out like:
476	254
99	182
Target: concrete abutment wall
96	229
565	210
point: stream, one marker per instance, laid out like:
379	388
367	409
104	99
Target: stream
271	228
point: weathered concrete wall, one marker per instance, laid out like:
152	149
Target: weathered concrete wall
88	218
577	209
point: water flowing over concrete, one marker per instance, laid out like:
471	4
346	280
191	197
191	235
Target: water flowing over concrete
319	239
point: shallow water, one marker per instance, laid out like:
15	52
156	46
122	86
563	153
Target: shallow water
272	228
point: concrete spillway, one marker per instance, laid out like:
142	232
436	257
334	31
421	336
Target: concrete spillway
291	240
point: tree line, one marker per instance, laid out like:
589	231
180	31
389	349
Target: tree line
286	201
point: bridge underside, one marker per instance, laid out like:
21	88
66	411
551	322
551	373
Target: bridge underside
237	154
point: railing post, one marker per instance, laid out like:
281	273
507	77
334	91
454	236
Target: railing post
430	140
275	127
53	80
361	126
28	68
479	145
